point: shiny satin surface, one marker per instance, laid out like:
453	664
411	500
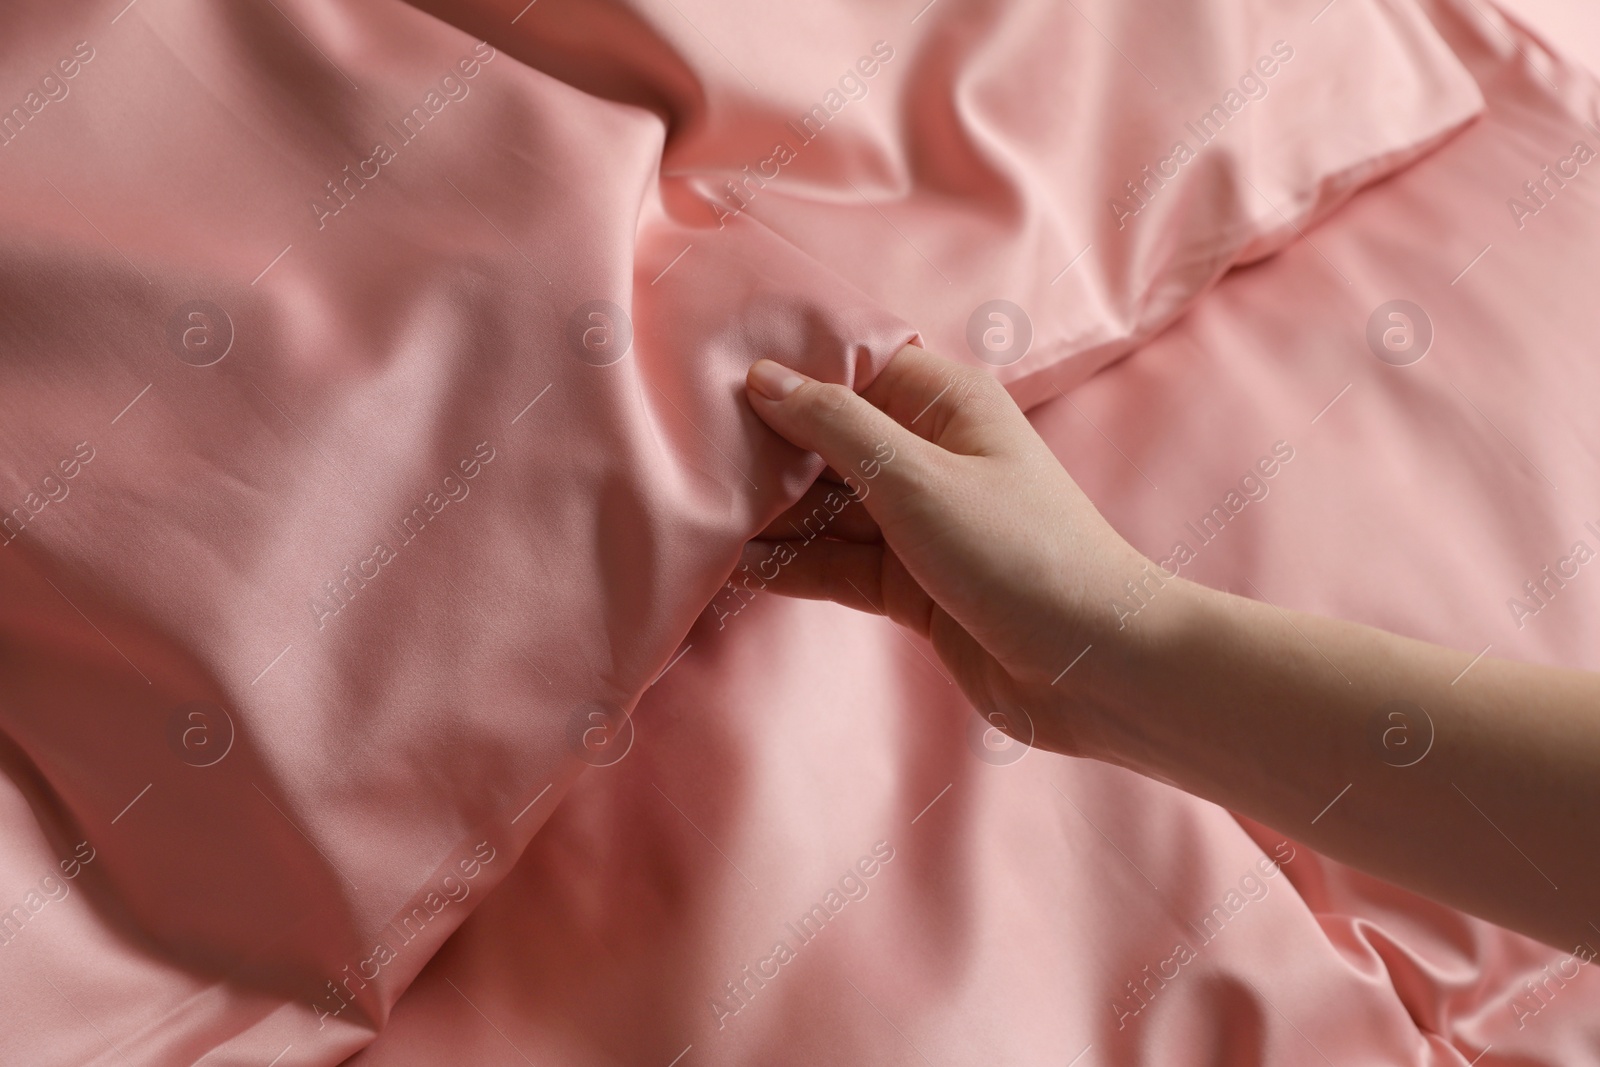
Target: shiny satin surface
1024	897
372	434
339	526
991	152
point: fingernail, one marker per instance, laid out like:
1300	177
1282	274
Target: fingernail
774	381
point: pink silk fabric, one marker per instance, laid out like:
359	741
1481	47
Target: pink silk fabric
330	531
952	155
1025	901
353	480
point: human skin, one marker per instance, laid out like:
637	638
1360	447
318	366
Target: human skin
975	537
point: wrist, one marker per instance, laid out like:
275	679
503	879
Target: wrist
1126	710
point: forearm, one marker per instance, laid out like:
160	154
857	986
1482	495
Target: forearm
1282	716
980	541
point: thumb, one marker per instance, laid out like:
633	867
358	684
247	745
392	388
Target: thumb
854	438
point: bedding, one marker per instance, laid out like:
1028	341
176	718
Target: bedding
372	440
1034	907
334	504
1037	186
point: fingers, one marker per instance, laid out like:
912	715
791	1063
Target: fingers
922	395
959	408
828	509
938	399
864	577
844	573
858	441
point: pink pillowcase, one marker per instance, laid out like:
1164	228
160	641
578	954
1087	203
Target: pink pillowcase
1092	168
1036	186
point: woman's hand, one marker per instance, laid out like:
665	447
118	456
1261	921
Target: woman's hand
962	526
974	536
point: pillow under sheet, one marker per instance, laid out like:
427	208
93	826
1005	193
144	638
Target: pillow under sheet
1036	185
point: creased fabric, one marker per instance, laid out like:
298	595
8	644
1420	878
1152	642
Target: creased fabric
372	439
1037	187
1046	909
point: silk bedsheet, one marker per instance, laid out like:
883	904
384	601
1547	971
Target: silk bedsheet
292	678
1033	906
